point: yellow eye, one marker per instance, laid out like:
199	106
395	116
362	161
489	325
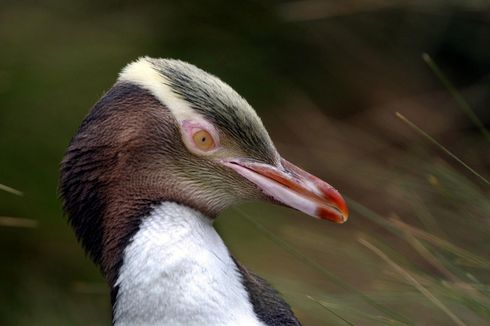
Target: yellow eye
203	140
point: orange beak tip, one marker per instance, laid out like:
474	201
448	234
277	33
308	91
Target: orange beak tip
334	216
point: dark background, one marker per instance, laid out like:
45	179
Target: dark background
327	78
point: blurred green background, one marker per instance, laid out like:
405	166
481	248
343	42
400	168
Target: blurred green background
327	77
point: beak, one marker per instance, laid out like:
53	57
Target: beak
293	187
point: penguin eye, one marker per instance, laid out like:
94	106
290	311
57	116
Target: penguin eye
200	137
203	140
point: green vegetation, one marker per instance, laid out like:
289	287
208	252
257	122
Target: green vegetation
344	93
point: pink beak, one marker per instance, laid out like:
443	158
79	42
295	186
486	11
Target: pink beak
294	187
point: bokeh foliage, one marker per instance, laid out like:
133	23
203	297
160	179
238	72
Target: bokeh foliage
327	77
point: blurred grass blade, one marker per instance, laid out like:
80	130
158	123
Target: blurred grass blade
423	212
441	243
17	222
413	281
435	142
335	279
430	258
371	215
474	296
329	310
456	94
398	228
10	190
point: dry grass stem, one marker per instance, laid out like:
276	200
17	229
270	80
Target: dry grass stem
462	103
324	305
444	244
332	277
412	280
10	190
435	142
17	222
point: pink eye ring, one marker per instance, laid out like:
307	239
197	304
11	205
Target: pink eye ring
200	137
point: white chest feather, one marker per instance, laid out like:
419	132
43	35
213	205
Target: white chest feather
177	271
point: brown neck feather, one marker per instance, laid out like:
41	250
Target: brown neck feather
107	179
